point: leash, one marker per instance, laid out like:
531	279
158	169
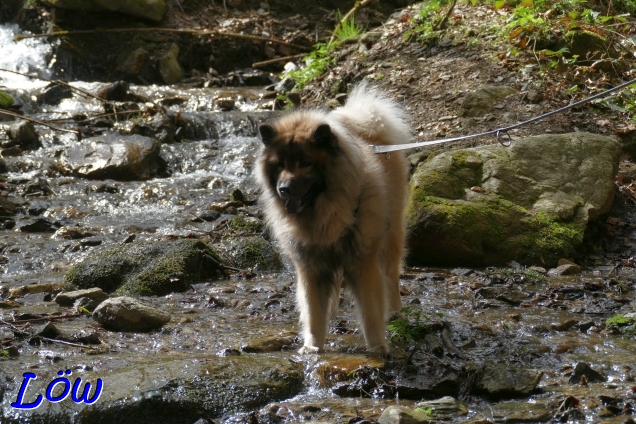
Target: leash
501	133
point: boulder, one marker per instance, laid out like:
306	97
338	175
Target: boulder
529	202
134	62
501	382
148	268
53	94
117	157
6	101
127	314
147	9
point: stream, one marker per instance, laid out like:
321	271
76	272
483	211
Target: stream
228	353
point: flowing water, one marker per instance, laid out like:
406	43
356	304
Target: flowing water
527	331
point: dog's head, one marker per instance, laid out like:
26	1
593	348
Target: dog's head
295	158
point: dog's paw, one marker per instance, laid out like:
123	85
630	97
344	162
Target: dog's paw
308	350
381	350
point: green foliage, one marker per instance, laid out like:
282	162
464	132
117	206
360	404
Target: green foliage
623	101
617	321
316	63
427	411
521	275
408	327
348	28
428	18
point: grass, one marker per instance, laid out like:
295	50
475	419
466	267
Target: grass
409	327
348	29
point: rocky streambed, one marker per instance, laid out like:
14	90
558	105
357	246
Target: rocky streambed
187	314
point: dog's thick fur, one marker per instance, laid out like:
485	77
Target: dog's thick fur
337	208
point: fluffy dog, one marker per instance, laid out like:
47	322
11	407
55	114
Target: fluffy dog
337	208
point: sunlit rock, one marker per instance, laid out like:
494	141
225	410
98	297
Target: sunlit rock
534	202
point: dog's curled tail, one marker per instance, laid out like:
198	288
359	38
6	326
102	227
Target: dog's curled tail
375	116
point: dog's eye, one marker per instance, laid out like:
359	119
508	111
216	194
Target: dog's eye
305	164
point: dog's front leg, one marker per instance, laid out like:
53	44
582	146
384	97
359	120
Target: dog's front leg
368	288
313	295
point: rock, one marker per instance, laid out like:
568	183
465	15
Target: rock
40	225
541	193
482	101
23	134
510	295
115	92
53	94
589	46
583	369
253	252
134	62
273	343
127	314
117	157
71	233
6	101
225	103
38	288
148	268
502	382
256	78
521	412
48	330
169	67
336	368
68	298
534	97
161	127
209	216
566	269
7	208
170	391
443	409
403	415
146	9
284	85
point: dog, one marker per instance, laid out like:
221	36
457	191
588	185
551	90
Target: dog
337	208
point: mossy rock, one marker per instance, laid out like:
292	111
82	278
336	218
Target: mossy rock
253	252
587	45
6	101
247	225
530	202
147	268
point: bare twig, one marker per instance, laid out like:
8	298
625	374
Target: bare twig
67	343
65	84
350	13
50	318
166	30
35	121
442	24
278	59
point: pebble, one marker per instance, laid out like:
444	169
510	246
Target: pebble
68	298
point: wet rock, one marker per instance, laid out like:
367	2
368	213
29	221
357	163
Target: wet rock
85	303
7	208
127	314
521	412
224	103
23	134
148	268
134	62
38	187
3	165
38	288
171	391
209	216
116	157
71	233
273	343
482	100
255	78
403	415
336	368
161	127
284	85
542	193
507	382
443	409
583	369
53	94
564	326
566	269
169	67
68	298
253	252
48	330
41	225
510	295
146	9
115	92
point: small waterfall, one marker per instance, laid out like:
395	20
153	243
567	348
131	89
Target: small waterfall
32	56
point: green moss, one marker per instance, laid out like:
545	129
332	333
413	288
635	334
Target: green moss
149	268
618	321
255	253
244	225
6	101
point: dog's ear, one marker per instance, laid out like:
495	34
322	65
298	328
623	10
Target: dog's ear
267	133
323	137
